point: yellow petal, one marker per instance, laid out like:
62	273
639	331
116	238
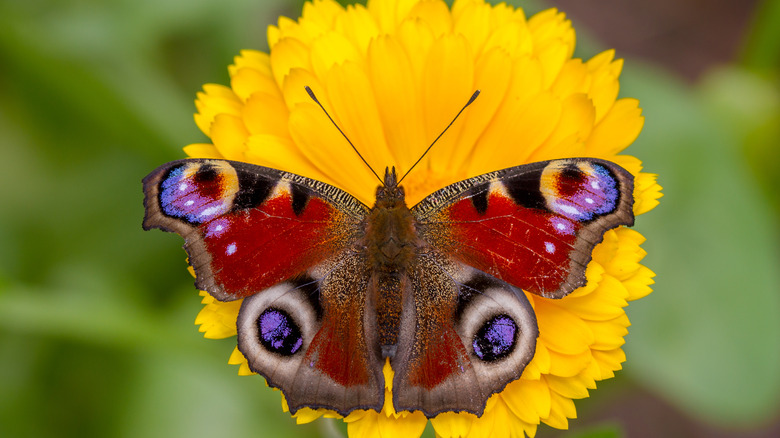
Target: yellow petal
411	425
574	127
604	84
492	76
520	128
609	334
280	153
593	273
513	37
217	320
356	113
216	99
266	114
562	409
366	427
358	26
568	365
646	193
289	54
229	136
247	81
560	329
321	13
295	93
253	59
319	140
444	94
626	259
484	426
307	415
397	99
609	361
568	387
551	28
236	358
202	150
552	60
638	285
619	128
472	19
417	41
434	14
451	424
389	13
572	79
528	399
332	49
605	251
604	303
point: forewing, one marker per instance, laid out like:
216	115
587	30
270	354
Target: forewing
464	337
533	226
307	337
246	227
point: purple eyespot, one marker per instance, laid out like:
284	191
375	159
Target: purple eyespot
496	338
584	193
195	197
278	332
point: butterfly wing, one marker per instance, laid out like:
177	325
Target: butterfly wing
246	227
533	226
530	227
307	337
468	336
284	243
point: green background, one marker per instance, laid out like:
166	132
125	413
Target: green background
96	316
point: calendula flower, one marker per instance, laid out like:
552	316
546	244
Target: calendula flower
392	74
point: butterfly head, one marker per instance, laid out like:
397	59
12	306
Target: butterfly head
390	194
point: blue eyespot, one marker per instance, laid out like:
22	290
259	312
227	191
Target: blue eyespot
278	332
496	338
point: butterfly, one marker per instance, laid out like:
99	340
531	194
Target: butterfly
333	288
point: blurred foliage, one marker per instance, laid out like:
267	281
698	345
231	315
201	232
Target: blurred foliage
96	334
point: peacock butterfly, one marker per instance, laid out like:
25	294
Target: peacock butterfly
332	289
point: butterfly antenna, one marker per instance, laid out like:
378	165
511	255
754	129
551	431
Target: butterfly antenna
471	100
314	98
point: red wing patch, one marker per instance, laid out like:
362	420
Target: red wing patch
533	226
527	248
255	249
442	355
246	227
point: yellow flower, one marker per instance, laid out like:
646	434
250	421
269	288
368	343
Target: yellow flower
392	74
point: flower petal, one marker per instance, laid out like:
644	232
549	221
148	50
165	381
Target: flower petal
265	113
618	129
202	150
391	70
229	136
451	424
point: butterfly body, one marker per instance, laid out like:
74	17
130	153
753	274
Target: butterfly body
332	289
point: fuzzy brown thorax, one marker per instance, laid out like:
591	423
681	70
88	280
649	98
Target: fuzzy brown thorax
391	237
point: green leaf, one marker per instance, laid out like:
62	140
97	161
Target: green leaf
600	431
762	51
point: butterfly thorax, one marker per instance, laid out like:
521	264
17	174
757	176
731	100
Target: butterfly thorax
391	238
